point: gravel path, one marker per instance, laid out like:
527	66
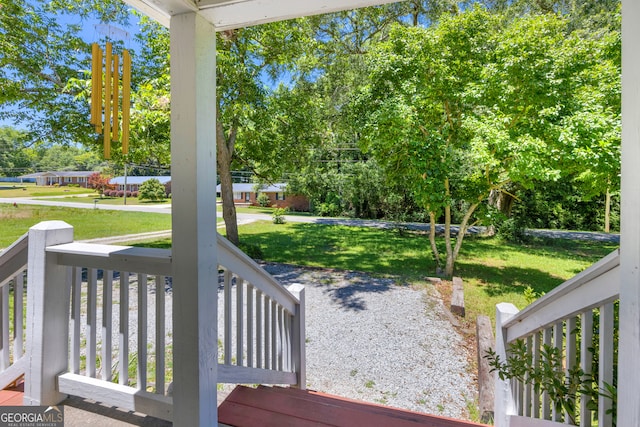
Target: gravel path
371	340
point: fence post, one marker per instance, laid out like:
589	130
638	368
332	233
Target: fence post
47	314
504	405
299	338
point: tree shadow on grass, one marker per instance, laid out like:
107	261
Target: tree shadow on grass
499	281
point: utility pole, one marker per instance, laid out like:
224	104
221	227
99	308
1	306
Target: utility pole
125	183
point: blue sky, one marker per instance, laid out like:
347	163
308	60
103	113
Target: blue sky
92	31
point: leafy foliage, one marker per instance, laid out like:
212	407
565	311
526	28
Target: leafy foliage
278	215
263	200
99	182
152	190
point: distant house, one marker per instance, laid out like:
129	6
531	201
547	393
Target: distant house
134	182
61	178
246	194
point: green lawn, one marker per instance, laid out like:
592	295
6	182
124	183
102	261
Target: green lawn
267	210
108	200
493	271
10	190
87	223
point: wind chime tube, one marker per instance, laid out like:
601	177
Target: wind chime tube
94	83
126	101
107	103
98	122
116	97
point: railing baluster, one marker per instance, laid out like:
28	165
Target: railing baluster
142	332
558	343
267	338
76	302
274	335
280	338
571	359
528	388
249	325
227	317
92	291
546	405
18	313
107	316
123	345
239	320
535	409
586	326
258	329
288	319
605	364
519	395
5	357
160	334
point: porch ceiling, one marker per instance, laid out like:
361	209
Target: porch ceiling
230	14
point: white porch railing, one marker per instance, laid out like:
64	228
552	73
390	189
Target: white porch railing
13	269
562	322
100	323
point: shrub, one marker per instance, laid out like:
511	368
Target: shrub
328	209
513	231
127	193
152	190
278	215
120	193
134	194
263	200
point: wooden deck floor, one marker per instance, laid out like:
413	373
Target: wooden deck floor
285	407
12	396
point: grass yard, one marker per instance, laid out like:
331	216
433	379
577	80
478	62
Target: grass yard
9	190
87	223
493	271
108	200
267	211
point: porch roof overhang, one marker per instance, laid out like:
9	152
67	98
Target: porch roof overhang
231	14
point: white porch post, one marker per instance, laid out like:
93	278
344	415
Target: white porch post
504	405
47	314
193	174
629	350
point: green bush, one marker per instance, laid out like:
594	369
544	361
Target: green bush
278	215
512	230
152	190
328	209
263	200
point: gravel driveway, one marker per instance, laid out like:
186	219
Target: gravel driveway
371	340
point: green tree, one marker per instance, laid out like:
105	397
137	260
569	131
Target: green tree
152	190
466	108
99	182
39	56
14	156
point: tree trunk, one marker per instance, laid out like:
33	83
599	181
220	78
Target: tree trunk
224	158
448	269
432	240
461	233
607	212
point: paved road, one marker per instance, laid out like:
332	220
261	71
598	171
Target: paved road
245	218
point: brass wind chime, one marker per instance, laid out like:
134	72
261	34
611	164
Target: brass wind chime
105	97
